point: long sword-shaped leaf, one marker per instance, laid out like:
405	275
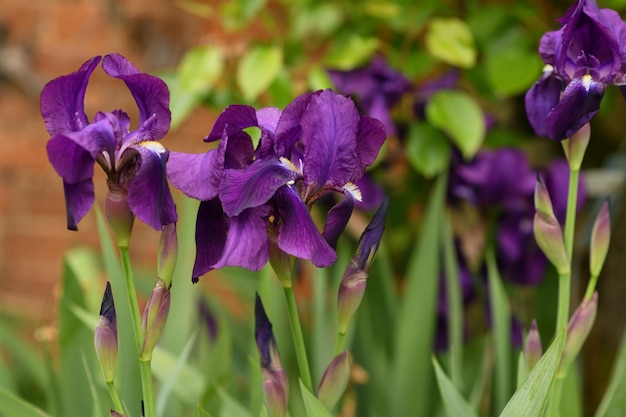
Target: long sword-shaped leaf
453	401
532	396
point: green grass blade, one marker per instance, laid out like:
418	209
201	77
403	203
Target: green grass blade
412	371
501	317
531	398
613	403
313	407
13	406
453	401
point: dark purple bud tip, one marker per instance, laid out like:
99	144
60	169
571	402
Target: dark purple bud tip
107	308
263	333
370	239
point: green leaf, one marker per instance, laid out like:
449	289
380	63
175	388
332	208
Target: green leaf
13	406
202	412
453	401
512	71
189	384
318	79
200	68
427	149
451	41
263	412
230	406
350	52
531	398
614	401
257	69
412	371
501	314
313	407
460	116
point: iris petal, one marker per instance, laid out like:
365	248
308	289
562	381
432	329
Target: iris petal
540	100
149	196
370	138
211	232
329	130
238	115
254	185
579	103
337	219
150	94
62	100
298	235
73	154
78	200
247	243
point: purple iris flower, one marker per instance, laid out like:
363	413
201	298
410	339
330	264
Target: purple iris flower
133	161
377	87
255	199
582	58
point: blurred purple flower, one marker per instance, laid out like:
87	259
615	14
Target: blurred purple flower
448	81
501	182
376	87
582	58
251	198
133	161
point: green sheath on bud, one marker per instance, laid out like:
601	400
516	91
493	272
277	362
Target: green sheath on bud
119	215
543	202
335	380
549	237
600	238
168	253
576	146
154	317
105	338
532	348
577	331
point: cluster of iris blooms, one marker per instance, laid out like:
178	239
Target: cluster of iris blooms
256	201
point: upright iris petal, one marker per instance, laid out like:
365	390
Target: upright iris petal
583	57
133	161
261	198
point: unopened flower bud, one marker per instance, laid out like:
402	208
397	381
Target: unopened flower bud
578	329
352	286
119	215
532	349
543	202
600	238
275	384
281	264
154	317
105	338
549	237
334	381
115	414
168	252
576	146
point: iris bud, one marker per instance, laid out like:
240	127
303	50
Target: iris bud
335	380
576	146
105	338
532	349
168	252
119	215
549	237
154	317
600	238
577	330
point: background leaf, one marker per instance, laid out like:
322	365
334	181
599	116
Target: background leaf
427	149
257	69
451	41
455	404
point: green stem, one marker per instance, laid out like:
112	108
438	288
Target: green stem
565	285
591	286
298	338
339	345
115	396
146	382
146	376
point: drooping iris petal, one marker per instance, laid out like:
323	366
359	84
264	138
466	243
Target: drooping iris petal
149	196
150	93
550	46
254	185
298	235
247	243
73	154
329	129
541	99
78	200
62	100
337	219
238	115
196	175
370	137
211	232
579	103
